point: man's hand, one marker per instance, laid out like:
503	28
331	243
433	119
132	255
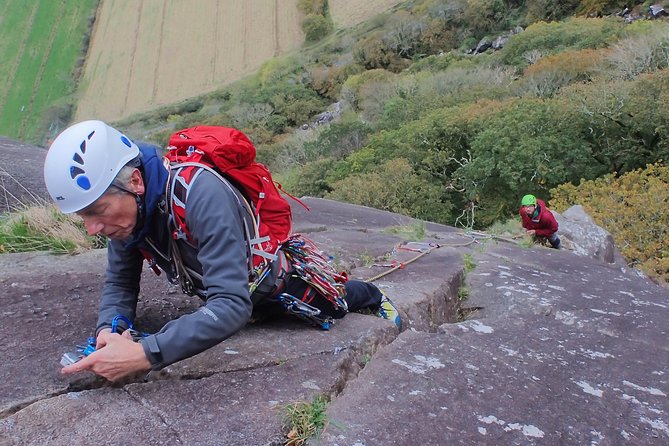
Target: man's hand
100	340
119	356
531	232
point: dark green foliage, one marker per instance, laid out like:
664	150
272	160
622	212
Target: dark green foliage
600	7
291	100
310	180
338	139
550	10
395	187
527	144
436	62
316	27
626	121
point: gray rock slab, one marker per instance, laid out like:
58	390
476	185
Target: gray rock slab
332	214
103	416
559	351
555	349
50	306
21	175
267	344
471	389
244	407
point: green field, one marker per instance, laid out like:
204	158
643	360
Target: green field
40	42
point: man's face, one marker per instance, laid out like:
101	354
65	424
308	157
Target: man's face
113	215
529	210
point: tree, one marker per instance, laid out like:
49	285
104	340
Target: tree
395	187
529	144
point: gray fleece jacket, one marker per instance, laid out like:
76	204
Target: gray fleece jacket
214	218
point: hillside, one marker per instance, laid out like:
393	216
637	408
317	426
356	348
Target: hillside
449	111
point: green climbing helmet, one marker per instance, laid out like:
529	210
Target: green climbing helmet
529	200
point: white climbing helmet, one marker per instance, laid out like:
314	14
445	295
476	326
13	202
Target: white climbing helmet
83	161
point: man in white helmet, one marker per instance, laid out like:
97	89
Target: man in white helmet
118	188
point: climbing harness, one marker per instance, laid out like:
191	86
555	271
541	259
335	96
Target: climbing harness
310	265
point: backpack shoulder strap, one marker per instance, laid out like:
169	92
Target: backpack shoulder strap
181	181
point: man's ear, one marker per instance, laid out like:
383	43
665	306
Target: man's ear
137	182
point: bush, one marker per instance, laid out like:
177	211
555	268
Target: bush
550	10
395	187
418	95
484	16
552	38
435	62
624	123
526	144
373	52
601	7
546	77
338	139
639	54
328	80
310	179
633	208
352	91
316	27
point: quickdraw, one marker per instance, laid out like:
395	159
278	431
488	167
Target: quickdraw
311	264
82	351
304	311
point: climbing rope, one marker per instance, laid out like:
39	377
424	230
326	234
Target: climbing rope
426	248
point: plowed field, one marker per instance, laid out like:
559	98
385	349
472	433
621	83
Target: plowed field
144	54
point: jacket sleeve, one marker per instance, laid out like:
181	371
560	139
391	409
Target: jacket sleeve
215	222
121	287
548	224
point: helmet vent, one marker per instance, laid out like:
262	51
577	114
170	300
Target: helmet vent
74	171
77	173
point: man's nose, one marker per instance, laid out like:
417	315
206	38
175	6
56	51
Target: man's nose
92	226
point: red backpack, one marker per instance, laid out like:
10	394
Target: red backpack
230	153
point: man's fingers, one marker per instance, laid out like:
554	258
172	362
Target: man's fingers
79	366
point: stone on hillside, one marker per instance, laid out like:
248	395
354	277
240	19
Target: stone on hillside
499	42
657	11
482	46
331	114
582	235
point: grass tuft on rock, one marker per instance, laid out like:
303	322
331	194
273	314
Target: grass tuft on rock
44	228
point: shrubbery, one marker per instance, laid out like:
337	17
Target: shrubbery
395	187
633	208
554	37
